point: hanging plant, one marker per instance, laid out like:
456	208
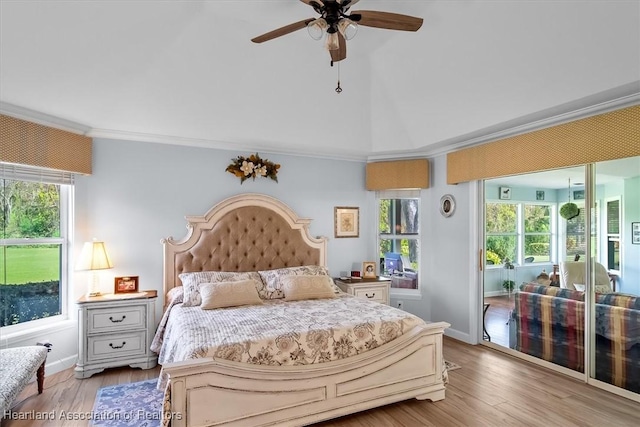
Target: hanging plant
569	211
252	167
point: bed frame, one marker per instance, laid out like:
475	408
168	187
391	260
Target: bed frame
251	232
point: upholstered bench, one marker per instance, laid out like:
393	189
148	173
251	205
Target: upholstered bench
17	366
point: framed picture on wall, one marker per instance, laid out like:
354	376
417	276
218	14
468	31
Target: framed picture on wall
346	221
447	205
505	193
635	233
539	195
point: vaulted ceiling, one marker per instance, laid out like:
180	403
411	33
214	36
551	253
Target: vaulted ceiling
186	72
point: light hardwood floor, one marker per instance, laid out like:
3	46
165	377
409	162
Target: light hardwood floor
496	319
491	389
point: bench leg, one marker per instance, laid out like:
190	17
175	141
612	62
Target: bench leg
40	376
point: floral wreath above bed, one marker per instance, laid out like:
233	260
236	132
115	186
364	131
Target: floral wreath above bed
252	167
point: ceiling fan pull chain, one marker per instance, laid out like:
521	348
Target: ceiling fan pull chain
338	89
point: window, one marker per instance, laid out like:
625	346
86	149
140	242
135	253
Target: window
399	240
613	234
518	232
502	232
33	246
537	233
575	243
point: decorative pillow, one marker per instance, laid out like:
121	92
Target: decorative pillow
229	294
191	283
602	289
543	279
273	278
307	287
175	295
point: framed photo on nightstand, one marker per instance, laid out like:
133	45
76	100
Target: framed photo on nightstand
125	285
369	270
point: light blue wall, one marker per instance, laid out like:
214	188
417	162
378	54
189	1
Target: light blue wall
630	281
140	193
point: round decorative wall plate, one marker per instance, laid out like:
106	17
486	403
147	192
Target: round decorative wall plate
447	205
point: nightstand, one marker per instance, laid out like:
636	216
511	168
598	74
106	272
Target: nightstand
115	330
373	289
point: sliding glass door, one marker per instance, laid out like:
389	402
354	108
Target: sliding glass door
561	273
615	275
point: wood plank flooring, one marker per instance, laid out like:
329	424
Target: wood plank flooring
496	318
491	389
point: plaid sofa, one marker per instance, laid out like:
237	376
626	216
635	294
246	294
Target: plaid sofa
549	324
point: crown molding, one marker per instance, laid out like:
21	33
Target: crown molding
617	98
43	119
222	145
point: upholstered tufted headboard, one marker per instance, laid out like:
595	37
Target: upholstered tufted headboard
247	232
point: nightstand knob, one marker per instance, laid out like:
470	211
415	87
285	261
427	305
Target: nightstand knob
115	347
370	296
117	321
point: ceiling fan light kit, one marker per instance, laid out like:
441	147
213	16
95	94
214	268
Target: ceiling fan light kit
341	25
317	28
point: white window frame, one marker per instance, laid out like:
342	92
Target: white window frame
520	234
552	231
402	194
66	182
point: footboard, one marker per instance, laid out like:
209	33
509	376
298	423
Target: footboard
206	392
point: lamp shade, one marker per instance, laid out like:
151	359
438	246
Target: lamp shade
94	257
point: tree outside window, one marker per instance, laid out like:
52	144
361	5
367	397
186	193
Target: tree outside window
30	251
399	233
518	232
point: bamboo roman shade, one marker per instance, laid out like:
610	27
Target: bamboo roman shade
608	136
31	144
398	174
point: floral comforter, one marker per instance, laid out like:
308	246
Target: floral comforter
280	332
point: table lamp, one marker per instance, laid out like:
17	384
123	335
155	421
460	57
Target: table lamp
94	257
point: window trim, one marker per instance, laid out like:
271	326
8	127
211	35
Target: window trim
20	330
410	294
520	233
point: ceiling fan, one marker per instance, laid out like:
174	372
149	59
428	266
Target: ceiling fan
341	26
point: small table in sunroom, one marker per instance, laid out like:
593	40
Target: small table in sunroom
485	334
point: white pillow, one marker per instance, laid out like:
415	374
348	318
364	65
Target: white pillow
297	288
191	283
579	287
229	294
273	278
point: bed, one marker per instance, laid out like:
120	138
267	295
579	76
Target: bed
254	382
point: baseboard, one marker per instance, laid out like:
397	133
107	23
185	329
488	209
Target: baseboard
59	365
460	336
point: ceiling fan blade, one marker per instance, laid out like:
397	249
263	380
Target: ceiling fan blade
386	20
348	3
340	53
282	31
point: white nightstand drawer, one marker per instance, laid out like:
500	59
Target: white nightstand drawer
117	345
373	293
116	319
